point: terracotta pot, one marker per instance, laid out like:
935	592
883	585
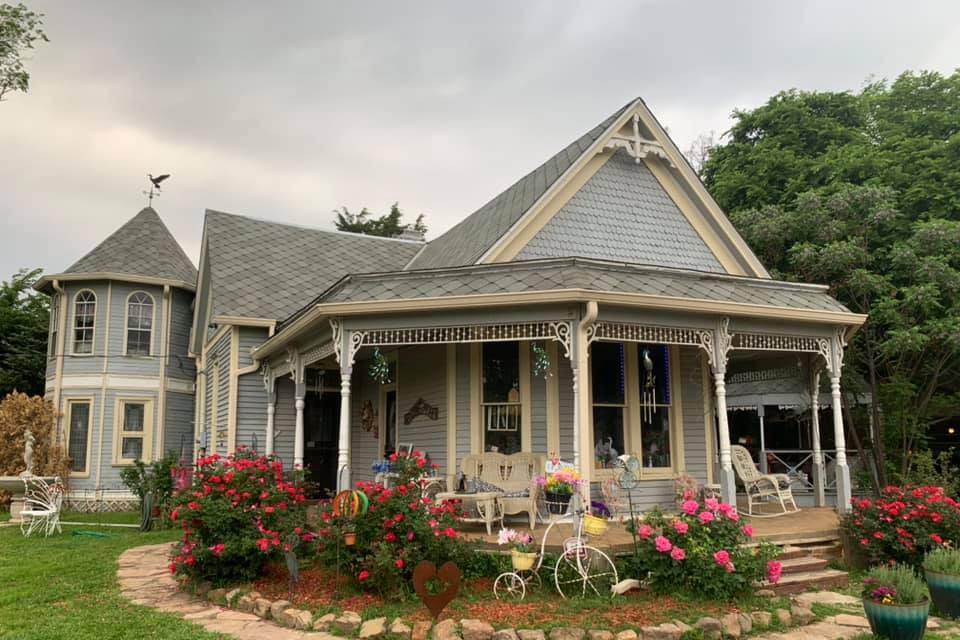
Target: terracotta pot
350	538
897	621
945	591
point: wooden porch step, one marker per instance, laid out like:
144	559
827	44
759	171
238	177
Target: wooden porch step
802	564
791	583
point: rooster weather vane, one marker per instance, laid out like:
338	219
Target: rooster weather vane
154	187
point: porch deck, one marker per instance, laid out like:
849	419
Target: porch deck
808	526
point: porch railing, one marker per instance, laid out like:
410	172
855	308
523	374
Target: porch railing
797	463
501	416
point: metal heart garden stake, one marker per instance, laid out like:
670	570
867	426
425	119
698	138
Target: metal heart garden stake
448	575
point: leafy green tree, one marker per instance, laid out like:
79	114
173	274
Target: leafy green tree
20	29
23	335
861	191
388	225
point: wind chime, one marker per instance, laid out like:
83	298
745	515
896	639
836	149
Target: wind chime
541	361
648	400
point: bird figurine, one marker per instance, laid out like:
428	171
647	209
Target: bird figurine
154	186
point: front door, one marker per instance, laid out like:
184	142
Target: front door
321	426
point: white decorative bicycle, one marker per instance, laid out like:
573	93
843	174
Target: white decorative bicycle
580	570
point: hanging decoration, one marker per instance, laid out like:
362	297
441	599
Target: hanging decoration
648	400
380	368
368	419
541	361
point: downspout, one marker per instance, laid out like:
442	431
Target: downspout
164	355
58	352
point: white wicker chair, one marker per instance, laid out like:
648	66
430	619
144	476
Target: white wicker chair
42	502
762	488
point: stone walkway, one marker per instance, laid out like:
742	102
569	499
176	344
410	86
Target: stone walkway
145	579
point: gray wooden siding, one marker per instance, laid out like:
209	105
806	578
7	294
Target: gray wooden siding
179	364
423	375
251	410
463	401
694	432
565	382
284	421
178	436
538	408
215	426
364	447
250	337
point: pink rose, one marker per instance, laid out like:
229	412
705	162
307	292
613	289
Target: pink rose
662	544
774	569
690	507
721	557
712	504
729	568
645	531
705	517
747	530
678	554
726	509
733	516
681	527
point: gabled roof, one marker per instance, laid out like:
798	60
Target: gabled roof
470	238
261	269
143	248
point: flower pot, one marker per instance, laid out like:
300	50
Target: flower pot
594	526
557	502
522	560
350	538
945	591
897	621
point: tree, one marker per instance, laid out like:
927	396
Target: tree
20	29
861	191
23	335
699	151
388	225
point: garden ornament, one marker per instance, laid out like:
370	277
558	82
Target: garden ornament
649	396
29	441
449	578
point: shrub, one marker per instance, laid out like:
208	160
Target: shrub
237	513
156	479
896	584
943	560
400	528
19	412
701	551
903	524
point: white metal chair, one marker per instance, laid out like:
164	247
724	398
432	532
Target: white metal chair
42	503
762	488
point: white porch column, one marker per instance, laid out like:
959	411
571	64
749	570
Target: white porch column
835	364
269	385
343	443
298	373
819	479
761	413
719	343
576	416
582	421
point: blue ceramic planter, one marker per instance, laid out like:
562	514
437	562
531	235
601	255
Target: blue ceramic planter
897	621
945	591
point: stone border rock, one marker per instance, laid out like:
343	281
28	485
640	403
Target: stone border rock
145	579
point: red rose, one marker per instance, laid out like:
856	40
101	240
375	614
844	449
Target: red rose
399	563
936	539
363	575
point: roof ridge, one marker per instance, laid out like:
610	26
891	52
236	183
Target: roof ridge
306	227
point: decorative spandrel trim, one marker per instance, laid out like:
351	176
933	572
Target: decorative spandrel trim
637	146
269	378
336	338
295	362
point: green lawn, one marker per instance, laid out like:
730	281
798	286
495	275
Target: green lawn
65	587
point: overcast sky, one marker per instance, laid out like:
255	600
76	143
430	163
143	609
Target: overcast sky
285	111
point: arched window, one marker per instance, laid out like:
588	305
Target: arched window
84	318
139	324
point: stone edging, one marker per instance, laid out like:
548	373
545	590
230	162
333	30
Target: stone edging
145	579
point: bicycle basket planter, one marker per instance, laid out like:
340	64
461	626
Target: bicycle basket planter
557	502
594	526
522	561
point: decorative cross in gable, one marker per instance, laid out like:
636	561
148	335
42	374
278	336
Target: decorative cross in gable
638	146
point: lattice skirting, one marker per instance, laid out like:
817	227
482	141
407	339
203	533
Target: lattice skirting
100	502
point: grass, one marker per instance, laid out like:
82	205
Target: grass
65	586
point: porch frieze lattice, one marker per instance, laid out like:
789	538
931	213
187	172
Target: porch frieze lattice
781	342
561	331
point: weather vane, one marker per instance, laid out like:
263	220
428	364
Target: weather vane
154	187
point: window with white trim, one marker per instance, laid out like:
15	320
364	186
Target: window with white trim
133	431
655	404
500	401
139	324
78	434
84	319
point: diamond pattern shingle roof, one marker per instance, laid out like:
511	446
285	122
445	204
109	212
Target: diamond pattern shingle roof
261	269
143	246
464	243
576	273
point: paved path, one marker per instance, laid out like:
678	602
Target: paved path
145	579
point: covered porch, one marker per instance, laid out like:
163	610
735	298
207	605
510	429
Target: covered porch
559	371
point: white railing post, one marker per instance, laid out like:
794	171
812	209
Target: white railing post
819	489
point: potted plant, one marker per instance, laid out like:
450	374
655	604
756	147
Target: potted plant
942	570
558	487
349	536
521	548
895	602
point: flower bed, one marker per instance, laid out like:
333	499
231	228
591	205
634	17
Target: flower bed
903	524
238	512
702	551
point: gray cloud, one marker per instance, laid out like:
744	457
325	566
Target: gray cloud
287	110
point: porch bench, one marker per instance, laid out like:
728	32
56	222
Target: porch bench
514	475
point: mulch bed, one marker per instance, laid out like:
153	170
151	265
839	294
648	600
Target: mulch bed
541	608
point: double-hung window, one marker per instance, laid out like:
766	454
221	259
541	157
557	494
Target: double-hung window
78	434
501	406
139	324
84	319
608	376
133	430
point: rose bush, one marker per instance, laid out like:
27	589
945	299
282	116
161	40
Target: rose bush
702	550
400	528
237	512
903	524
